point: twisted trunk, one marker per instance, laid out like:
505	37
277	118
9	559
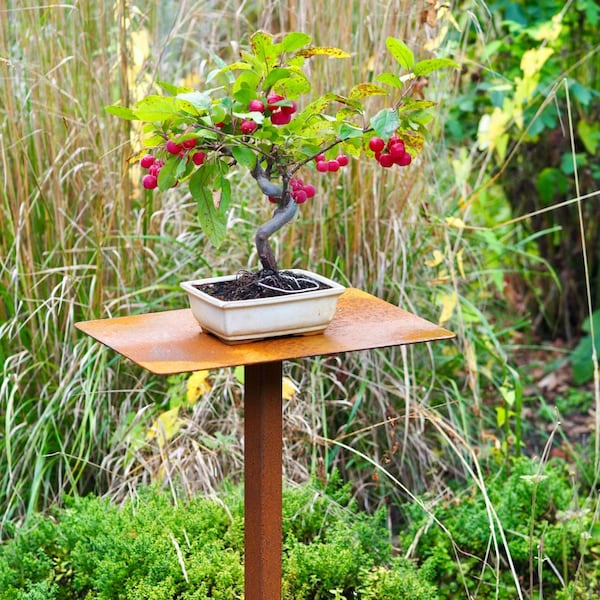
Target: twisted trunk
286	210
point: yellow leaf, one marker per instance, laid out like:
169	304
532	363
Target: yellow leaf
455	222
324	51
197	385
549	30
533	60
448	302
460	263
437	259
471	357
491	134
288	388
165	427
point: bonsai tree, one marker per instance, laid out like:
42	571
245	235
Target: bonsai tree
248	117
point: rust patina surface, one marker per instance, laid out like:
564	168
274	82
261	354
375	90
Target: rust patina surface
171	342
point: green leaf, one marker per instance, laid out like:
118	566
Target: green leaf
589	133
244	156
156	108
401	52
415	105
261	43
551	182
236	66
199	100
424	67
274	76
390	79
169	88
364	90
168	173
581	361
385	122
212	220
265	50
348	131
122	112
292	87
294	41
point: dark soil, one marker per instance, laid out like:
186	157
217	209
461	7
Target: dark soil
261	284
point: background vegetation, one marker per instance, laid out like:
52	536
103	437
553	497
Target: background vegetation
491	233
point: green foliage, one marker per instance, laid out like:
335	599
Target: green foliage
581	355
533	78
155	549
213	120
535	510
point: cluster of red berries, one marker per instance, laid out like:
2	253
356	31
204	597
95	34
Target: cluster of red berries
301	191
154	165
390	154
332	165
277	108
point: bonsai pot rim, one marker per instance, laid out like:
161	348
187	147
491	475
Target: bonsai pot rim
238	321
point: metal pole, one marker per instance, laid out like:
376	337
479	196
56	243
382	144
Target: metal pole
263	480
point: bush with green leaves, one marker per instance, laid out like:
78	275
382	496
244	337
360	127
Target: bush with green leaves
532	83
156	549
527	527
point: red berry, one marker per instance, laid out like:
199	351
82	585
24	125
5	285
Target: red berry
147	161
256	106
394	139
273	200
300	196
322	166
173	148
280	118
198	157
397	149
248	127
296	184
272	100
309	190
376	144
320	158
155	168
189	144
333	165
149	181
404	160
386	160
342	160
291	109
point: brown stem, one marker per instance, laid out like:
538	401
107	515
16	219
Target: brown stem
282	215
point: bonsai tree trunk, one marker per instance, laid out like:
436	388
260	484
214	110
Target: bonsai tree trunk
284	213
281	216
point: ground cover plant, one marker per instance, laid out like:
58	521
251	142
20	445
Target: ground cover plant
428	433
155	548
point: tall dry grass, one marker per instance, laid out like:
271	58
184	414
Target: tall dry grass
80	239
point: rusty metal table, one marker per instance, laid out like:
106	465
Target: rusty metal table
171	342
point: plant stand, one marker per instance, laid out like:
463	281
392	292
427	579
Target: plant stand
171	342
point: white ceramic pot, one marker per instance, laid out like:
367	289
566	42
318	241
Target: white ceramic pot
306	312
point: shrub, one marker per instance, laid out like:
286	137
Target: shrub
152	548
536	513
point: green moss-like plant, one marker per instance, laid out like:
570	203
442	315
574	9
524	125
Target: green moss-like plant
154	549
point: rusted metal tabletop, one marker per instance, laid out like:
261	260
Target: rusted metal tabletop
172	342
